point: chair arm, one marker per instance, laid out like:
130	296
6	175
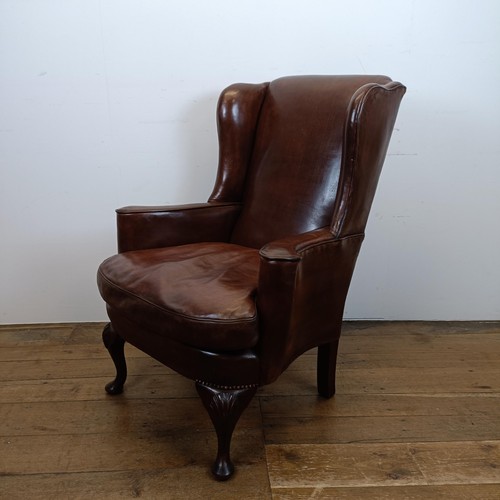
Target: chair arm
292	247
161	226
303	284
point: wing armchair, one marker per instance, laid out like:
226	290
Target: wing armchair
229	292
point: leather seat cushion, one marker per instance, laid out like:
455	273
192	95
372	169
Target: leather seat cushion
202	294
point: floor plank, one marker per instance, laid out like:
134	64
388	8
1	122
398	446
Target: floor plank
49	369
388	429
187	483
166	385
46	335
380	405
343	465
447	492
452	380
396	418
112	415
165	448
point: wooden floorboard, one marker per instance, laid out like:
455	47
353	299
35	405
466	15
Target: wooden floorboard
416	416
383	464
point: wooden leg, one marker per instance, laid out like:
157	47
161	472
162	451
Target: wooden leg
115	346
225	408
327	363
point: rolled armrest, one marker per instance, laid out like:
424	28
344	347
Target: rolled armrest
145	227
292	248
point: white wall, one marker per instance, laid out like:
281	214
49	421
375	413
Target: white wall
111	102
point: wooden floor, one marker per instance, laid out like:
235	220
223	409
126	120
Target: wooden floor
416	416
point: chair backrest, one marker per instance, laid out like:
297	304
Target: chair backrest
291	168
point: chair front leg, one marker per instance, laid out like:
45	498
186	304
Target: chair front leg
115	346
327	367
225	407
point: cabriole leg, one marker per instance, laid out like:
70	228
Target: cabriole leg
225	408
115	346
327	363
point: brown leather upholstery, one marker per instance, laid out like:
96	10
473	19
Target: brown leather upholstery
231	291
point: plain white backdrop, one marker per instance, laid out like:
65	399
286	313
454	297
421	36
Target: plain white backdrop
105	103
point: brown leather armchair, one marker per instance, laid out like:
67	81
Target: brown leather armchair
229	292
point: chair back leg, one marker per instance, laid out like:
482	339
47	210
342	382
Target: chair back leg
327	367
